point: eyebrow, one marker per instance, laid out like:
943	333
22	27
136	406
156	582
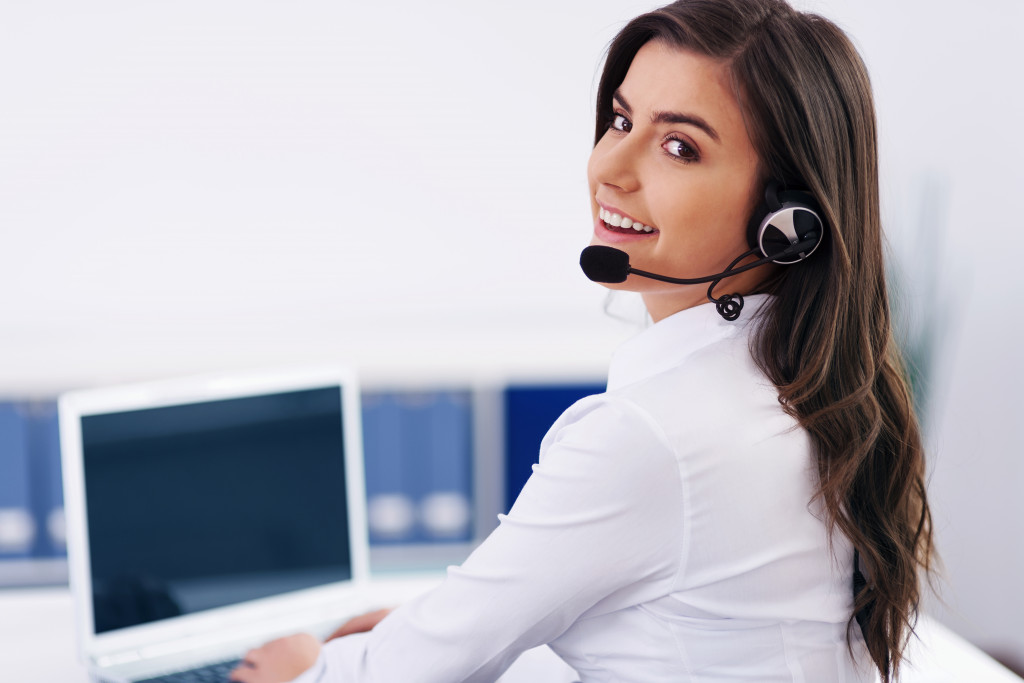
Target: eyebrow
672	117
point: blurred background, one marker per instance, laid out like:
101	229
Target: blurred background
207	186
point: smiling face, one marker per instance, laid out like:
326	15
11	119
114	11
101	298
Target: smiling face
677	161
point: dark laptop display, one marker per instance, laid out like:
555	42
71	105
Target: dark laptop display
196	506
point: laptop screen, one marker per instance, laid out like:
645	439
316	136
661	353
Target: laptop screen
196	506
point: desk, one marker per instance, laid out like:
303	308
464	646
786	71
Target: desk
37	643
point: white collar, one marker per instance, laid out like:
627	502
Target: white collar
670	341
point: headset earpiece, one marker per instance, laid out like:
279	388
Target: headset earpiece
785	218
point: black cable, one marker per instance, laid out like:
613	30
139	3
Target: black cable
729	306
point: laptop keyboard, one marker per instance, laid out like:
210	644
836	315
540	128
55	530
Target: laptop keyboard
211	673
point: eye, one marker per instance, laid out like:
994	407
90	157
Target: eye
680	150
621	123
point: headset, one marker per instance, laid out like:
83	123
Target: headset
783	219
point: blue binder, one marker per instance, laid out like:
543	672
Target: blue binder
392	513
17	525
419	450
45	478
415	408
447	503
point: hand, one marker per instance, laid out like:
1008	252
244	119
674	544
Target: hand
279	660
364	622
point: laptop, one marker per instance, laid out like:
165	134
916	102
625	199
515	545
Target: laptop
208	515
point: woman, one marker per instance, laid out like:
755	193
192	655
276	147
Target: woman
706	517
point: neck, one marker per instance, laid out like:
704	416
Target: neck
661	305
663	301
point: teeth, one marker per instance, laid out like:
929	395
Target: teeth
618	221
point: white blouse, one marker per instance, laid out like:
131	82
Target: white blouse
668	533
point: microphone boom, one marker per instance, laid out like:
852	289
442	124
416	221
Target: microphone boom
601	263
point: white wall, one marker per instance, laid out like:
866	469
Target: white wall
196	184
206	185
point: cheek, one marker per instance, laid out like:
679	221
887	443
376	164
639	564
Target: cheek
703	218
689	209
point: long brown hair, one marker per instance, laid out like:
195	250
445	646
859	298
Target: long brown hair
826	341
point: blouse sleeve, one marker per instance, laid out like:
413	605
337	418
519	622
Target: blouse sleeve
596	528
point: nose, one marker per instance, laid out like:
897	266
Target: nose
613	162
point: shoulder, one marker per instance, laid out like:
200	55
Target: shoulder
605	418
612	443
608	481
611	424
718	395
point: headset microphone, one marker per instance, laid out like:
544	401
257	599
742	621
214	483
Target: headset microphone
608	264
786	228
